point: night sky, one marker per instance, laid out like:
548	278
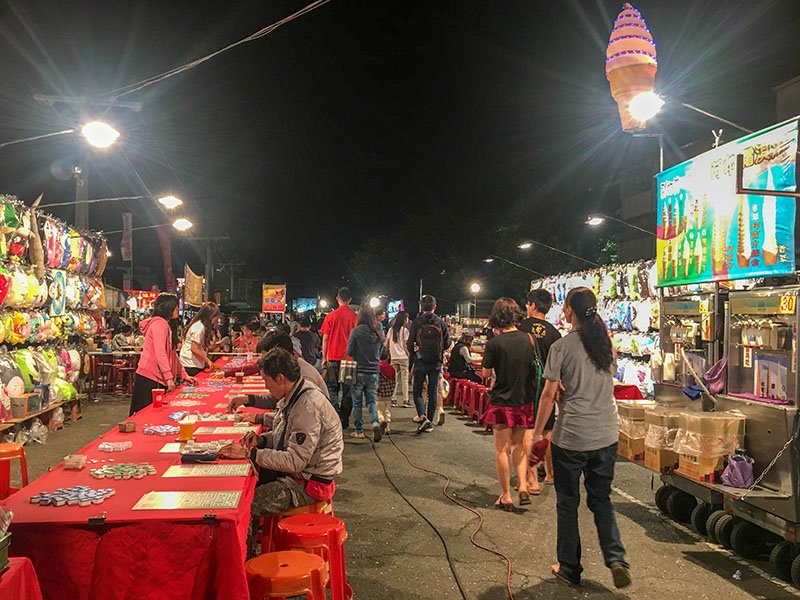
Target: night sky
344	128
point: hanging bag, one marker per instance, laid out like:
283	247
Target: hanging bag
347	372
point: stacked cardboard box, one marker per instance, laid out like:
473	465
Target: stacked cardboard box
704	440
632	428
662	427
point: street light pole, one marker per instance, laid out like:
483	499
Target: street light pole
491	257
209	260
529	243
597	219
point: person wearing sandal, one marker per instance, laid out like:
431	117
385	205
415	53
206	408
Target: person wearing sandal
584	439
510	360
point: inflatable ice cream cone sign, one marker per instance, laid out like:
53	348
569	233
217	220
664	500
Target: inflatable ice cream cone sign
630	63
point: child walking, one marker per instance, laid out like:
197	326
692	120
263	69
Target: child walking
387	380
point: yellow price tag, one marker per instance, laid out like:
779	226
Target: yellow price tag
788	304
703	308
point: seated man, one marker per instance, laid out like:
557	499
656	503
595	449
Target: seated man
275	339
298	460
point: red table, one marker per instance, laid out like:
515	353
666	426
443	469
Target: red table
19	582
108	551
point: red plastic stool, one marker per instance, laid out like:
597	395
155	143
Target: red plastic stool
467	394
9	452
477	408
483	403
461	394
269	523
282	574
323	535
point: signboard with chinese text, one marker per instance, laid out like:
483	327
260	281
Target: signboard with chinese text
273	298
706	232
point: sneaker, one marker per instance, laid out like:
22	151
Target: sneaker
423	425
376	432
359	435
394	404
384	428
621	575
429	428
418	419
407	405
440	420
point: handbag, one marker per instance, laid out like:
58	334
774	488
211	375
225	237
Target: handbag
347	372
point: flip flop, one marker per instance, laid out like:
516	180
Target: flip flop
506	507
550	482
556	571
524	499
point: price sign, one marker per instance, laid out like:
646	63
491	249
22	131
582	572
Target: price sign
703	307
747	357
788	304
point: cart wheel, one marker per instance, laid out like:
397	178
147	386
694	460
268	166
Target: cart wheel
711	525
662	494
723	529
680	506
781	559
700	516
795	571
748	540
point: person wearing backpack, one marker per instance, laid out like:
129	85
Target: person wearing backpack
512	360
427	339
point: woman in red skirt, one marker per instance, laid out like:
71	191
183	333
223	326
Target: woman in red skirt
510	360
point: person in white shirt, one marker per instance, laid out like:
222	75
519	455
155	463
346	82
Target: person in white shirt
397	342
198	339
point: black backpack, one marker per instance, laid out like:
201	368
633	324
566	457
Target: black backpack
429	342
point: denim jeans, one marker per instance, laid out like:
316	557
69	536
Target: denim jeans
365	391
597	468
332	380
423	371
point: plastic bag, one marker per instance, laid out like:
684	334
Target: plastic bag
634	429
39	432
57	418
739	472
660	437
715	377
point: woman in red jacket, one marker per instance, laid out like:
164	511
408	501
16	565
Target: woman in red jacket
159	366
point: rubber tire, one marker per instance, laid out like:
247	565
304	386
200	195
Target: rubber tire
781	559
700	516
711	525
795	571
723	529
748	540
680	506
662	494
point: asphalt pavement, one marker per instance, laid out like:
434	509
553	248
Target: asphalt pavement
394	550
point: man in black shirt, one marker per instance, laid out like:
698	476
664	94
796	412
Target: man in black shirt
538	305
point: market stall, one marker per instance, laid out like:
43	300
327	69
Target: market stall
170	530
51	296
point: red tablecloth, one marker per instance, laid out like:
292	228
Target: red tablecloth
152	554
19	582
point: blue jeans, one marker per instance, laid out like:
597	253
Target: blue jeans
597	468
423	371
365	390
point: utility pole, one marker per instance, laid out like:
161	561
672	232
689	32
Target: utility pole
81	171
232	266
209	260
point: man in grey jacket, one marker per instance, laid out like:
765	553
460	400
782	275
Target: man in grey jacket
300	457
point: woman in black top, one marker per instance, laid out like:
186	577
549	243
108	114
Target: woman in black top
509	359
459	365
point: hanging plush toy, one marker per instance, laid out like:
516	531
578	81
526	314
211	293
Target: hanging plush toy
36	248
73	292
52	233
10	377
27	368
18	242
102	259
18	294
10	222
58	293
33	290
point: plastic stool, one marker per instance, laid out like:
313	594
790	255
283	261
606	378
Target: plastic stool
467	394
477	405
451	396
282	574
270	522
460	390
324	535
9	452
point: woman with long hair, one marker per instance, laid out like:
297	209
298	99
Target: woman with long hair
510	360
584	439
158	364
397	342
198	339
364	345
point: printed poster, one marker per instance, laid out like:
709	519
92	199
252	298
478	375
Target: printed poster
706	232
273	298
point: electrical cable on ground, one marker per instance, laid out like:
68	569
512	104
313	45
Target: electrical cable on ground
459	503
424	518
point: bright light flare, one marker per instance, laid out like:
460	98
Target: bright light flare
99	134
475	288
488	259
182	224
525	245
170	202
374	302
645	106
323	303
595	220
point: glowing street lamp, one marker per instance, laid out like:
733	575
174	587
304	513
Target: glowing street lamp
99	134
182	224
170	202
374	302
488	259
323	304
645	106
595	220
525	245
475	288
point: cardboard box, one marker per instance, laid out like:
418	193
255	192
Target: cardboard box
713	423
659	460
630	448
634	409
710	435
699	468
663	417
